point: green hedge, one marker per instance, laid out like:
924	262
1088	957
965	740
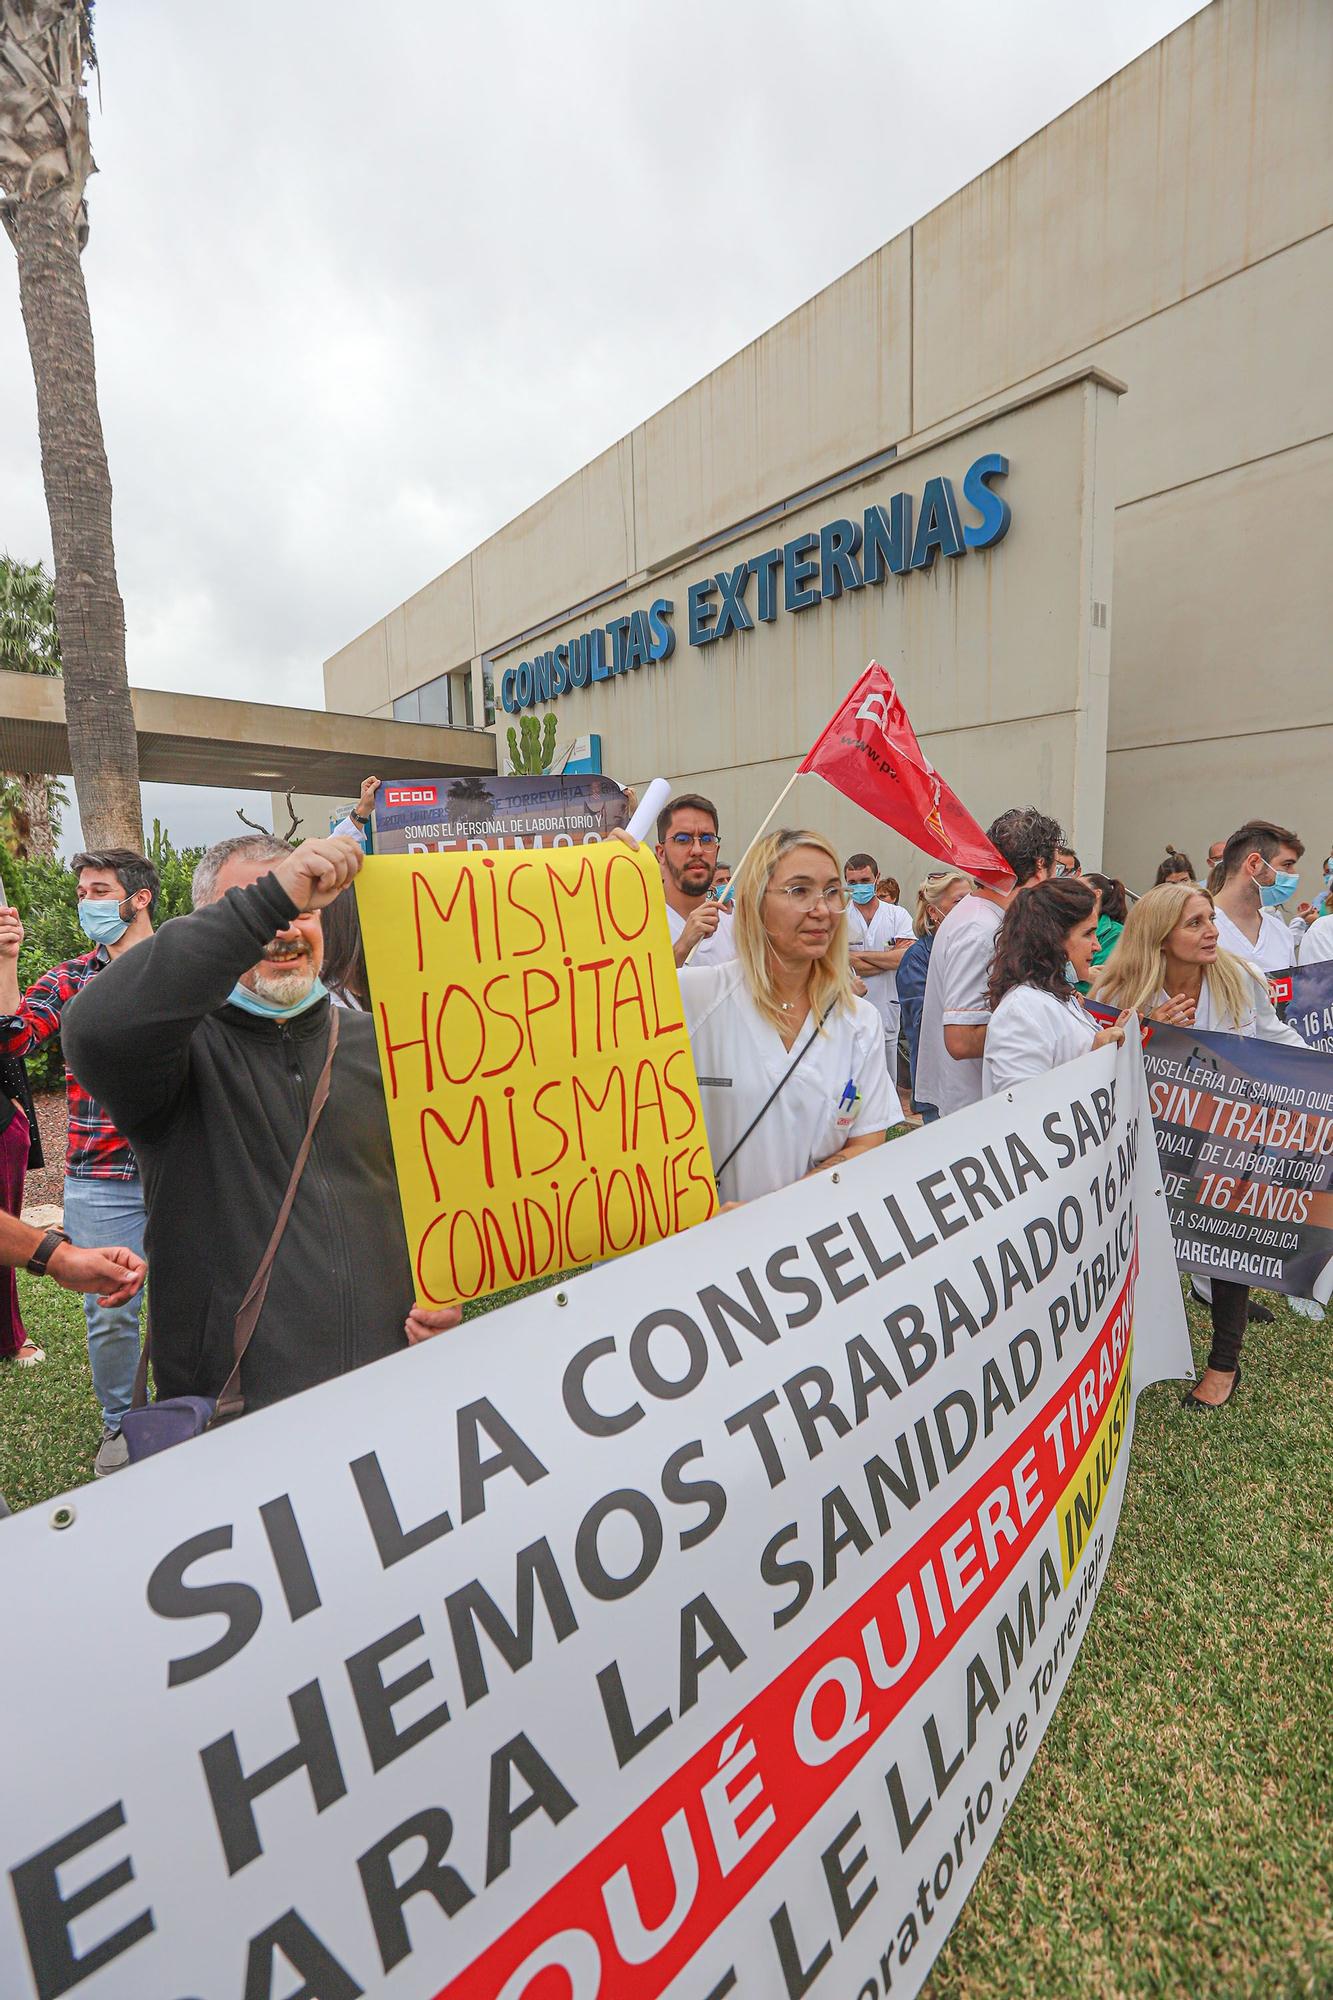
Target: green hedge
45	894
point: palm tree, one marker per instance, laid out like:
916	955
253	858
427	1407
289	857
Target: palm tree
31	800
46	50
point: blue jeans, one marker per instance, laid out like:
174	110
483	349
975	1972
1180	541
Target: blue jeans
105	1214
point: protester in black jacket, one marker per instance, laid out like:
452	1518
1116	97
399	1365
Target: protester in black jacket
205	1045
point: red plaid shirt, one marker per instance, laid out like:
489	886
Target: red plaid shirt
96	1150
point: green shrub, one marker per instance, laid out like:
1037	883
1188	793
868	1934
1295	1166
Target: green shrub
45	894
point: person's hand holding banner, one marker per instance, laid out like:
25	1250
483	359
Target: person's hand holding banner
540	1089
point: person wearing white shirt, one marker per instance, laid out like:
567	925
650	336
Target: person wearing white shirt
956	1007
1317	944
1258	876
687	849
790	1062
1169	965
878	936
1046	944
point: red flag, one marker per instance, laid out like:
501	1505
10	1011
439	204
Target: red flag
870	754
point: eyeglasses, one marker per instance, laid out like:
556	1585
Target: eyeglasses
802	897
680	841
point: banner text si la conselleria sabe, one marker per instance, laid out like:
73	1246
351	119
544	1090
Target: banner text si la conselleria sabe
695	1634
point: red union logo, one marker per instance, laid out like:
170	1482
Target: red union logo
411	795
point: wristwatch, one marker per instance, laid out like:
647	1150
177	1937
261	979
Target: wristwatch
359	819
45	1251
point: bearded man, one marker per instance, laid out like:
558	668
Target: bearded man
687	846
207	1056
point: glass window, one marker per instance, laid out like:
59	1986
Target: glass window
435	701
462	697
407	707
488	689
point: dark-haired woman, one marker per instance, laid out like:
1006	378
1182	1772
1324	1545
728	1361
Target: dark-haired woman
344	967
1175	868
1038	1021
1111	914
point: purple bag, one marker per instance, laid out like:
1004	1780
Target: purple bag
158	1426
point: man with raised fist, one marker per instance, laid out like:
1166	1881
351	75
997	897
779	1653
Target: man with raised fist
208	1045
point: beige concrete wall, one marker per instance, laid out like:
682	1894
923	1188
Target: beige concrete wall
1203	790
824	390
1207	154
1002	669
1174	228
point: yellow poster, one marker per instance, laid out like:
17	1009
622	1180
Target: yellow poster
541	1093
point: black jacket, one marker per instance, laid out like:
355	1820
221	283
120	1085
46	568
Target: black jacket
215	1101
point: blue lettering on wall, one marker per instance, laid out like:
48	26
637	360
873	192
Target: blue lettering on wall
799	564
841	556
732	615
663	632
939	528
703	613
764	570
992	507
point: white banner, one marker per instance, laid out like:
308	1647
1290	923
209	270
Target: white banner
689	1629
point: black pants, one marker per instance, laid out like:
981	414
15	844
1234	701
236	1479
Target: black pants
1230	1310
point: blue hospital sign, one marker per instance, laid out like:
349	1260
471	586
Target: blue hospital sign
842	556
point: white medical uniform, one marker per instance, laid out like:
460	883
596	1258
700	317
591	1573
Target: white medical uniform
879	927
1276	947
1258	1021
1031	1032
840	1090
1317	944
956	996
714	950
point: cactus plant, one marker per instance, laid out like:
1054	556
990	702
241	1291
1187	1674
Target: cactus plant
532	746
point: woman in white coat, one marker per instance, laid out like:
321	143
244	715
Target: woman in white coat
790	1062
1170	966
1044	947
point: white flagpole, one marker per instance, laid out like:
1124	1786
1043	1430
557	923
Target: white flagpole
769	816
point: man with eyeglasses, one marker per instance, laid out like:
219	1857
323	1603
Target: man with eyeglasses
687	850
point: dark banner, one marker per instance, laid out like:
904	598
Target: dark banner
1303	997
445	815
1245	1142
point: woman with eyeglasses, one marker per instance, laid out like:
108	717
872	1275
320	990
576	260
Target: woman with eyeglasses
790	1062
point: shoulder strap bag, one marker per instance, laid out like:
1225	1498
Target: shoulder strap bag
776	1092
148	1428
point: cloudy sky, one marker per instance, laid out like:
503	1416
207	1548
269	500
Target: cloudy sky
365	283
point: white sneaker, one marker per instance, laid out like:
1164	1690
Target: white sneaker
1307	1308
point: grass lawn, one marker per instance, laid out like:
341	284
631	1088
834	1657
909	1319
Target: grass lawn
1175	1835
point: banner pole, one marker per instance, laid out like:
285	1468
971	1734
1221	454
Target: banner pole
736	871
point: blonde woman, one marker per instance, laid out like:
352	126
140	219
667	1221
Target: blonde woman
934	900
790	1062
1168	965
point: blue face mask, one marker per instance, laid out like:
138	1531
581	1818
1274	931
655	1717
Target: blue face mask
250	1003
862	892
1280	890
101	920
1071	972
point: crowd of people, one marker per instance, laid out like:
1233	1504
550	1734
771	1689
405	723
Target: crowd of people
205	1102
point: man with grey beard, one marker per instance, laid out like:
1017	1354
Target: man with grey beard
207	1056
